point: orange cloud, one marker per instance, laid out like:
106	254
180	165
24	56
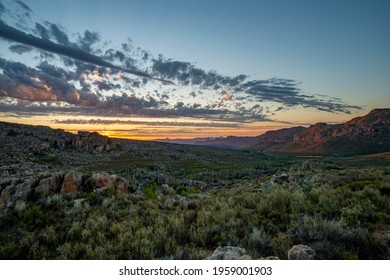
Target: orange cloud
227	96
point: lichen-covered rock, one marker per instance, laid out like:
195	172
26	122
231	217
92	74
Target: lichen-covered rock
228	253
301	252
23	190
184	202
167	190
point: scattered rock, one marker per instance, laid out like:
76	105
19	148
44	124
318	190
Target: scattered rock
121	185
162	179
301	252
184	202
79	202
245	257
274	258
167	190
228	253
307	165
169	203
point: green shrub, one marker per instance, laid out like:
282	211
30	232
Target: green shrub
34	215
150	191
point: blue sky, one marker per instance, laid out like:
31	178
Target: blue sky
335	49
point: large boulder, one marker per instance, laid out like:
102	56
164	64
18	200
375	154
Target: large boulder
72	182
301	252
50	185
23	190
228	253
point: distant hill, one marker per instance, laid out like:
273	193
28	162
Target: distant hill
222	142
362	135
20	141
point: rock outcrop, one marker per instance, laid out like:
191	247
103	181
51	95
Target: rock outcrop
50	185
72	182
229	253
42	186
301	252
361	135
297	252
19	141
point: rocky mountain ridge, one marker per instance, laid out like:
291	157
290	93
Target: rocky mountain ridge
361	135
20	141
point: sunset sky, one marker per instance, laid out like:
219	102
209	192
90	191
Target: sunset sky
154	69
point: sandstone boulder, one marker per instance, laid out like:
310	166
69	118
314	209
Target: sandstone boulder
72	182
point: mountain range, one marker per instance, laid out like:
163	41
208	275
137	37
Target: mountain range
361	135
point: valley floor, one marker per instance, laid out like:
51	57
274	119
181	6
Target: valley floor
181	202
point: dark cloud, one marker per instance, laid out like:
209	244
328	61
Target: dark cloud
50	84
24	83
13	34
59	35
27	9
88	40
20	49
42	31
187	74
286	92
172	69
105	85
24	6
2	9
55	71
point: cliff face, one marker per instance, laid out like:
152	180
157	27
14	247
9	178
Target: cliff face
361	135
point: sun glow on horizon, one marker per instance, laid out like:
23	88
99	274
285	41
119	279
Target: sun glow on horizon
148	128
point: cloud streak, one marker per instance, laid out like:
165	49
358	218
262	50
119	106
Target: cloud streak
147	123
13	34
